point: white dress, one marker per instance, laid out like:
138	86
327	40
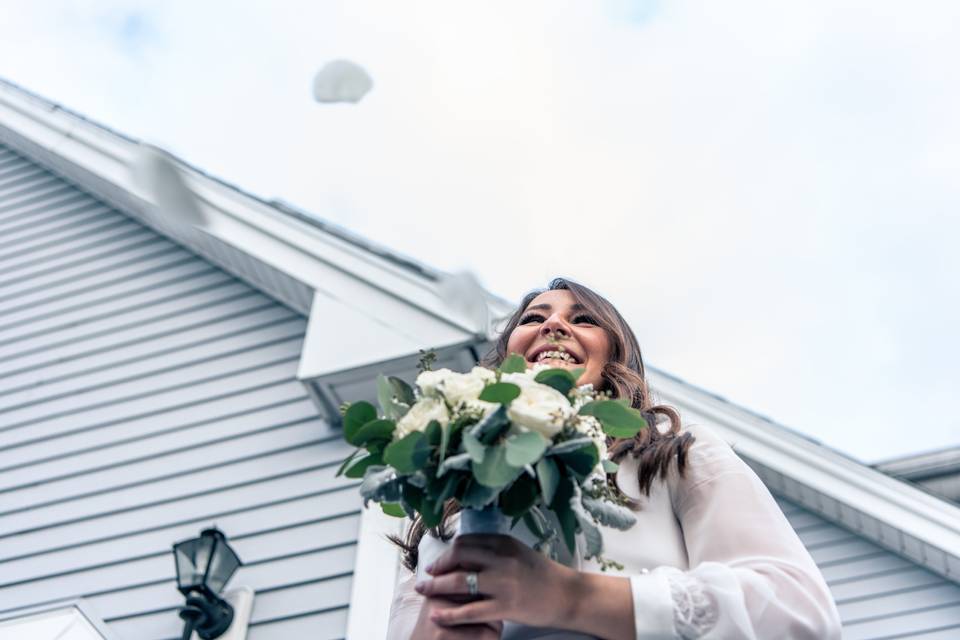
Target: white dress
711	556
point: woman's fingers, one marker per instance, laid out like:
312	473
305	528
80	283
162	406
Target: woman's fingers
461	556
453	583
478	612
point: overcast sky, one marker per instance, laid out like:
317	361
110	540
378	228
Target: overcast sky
768	191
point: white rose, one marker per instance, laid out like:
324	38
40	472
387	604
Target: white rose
457	388
430	381
420	415
539	408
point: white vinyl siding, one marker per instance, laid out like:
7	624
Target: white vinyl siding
878	593
144	395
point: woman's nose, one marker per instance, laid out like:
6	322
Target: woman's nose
554	324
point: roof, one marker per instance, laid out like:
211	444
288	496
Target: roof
936	471
389	306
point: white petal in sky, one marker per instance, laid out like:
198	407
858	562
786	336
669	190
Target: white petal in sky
155	171
341	81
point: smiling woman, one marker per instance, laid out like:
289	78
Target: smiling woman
711	554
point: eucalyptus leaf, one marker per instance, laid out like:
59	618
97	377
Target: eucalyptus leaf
548	475
525	448
431	511
514	363
609	466
359	468
460	461
380	484
560	379
492	427
418	479
502	392
395	396
570	445
519	496
591	534
610	514
617	418
357	415
374	430
473	447
494	471
408	454
392	509
565	515
581	462
346	463
477	496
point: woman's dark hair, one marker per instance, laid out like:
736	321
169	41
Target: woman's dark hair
623	376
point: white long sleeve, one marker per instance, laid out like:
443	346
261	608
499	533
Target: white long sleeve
711	557
750	576
406	607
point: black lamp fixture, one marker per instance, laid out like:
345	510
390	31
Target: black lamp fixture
204	565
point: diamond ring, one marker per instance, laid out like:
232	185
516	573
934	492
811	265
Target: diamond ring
472	587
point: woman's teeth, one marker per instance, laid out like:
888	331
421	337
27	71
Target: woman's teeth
558	355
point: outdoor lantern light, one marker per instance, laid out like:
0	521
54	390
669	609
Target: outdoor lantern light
204	565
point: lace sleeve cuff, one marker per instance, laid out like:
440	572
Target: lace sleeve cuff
652	606
669	603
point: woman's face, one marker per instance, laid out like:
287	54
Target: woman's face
555	330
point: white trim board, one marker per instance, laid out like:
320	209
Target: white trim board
374	575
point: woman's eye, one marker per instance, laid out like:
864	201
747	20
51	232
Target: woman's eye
531	317
584	319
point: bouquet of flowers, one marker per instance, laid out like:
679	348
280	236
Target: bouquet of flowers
524	441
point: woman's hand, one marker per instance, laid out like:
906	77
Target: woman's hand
515	583
427	629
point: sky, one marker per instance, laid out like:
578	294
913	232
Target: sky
767	191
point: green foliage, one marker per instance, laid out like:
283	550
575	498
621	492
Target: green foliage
358	469
591	534
375	430
392	509
565	515
477	496
582	461
433	433
380	484
473	447
427	358
493	471
525	448
520	496
408	454
395	396
492	427
609	466
548	475
609	514
346	463
502	392
560	379
618	419
459	462
514	363
357	415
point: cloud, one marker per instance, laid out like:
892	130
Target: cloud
767	192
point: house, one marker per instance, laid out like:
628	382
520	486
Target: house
157	378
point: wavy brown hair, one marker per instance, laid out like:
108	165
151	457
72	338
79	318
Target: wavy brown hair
623	376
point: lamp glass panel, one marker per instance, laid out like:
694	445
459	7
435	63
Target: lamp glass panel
224	562
192	559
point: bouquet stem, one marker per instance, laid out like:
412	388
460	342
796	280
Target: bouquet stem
487	520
